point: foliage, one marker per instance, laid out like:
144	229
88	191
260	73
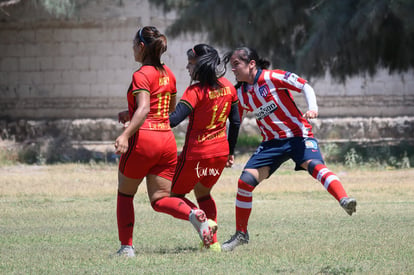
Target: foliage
351	154
309	37
61	150
346	38
246	142
8	156
58	8
58	150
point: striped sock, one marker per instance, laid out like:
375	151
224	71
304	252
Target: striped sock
329	180
244	203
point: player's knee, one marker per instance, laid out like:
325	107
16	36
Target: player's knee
248	178
156	205
312	164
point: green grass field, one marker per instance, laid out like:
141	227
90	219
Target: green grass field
61	219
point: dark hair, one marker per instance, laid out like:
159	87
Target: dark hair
208	68
247	54
155	45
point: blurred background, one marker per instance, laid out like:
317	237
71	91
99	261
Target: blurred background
65	67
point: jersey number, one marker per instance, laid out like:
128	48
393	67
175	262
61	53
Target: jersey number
163	105
222	117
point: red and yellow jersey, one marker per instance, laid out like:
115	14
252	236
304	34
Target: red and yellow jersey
206	135
161	87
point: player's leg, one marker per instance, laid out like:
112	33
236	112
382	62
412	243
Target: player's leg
184	180
127	188
140	155
331	183
314	164
159	179
159	195
248	180
208	205
208	172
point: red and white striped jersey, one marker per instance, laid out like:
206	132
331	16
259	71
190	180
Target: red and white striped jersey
272	104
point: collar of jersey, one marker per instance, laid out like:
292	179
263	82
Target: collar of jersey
256	78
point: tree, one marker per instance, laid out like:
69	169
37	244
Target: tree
345	37
58	8
310	37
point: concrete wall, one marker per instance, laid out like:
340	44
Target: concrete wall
81	67
77	68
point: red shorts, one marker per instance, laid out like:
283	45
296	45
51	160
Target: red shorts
189	172
150	152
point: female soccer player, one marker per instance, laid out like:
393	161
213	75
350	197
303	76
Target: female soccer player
207	150
285	131
147	144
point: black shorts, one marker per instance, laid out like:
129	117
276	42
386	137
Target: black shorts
274	152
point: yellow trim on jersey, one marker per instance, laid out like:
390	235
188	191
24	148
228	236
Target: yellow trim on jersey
134	93
187	104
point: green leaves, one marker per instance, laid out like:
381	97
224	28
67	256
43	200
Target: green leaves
309	37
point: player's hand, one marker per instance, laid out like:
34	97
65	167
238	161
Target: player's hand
230	161
123	117
310	114
121	145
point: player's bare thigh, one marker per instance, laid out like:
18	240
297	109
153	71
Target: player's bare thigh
128	186
260	173
158	187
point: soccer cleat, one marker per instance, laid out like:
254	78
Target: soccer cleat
126	251
214	247
239	238
199	220
349	205
213	226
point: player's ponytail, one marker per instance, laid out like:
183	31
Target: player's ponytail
155	44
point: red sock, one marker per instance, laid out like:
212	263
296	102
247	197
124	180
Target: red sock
244	203
173	206
190	203
330	181
125	218
208	205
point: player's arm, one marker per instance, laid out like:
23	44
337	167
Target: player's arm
173	101
143	102
182	110
309	93
234	127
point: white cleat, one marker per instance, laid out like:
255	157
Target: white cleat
199	220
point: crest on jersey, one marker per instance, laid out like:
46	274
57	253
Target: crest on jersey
264	90
311	144
287	75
